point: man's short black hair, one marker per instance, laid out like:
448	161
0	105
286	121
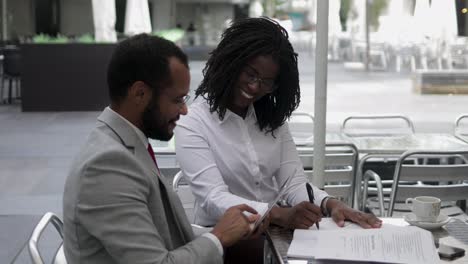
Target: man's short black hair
141	58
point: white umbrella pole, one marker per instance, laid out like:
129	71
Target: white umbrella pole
367	10
320	109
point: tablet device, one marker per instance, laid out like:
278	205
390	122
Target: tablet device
281	191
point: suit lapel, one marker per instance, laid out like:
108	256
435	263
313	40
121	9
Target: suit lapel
128	137
130	140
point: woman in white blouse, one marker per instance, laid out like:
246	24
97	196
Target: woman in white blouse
234	145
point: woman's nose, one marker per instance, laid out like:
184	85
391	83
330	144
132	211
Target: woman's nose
254	86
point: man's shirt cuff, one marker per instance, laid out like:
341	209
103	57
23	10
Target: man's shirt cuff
216	241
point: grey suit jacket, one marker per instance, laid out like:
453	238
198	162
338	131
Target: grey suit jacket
118	209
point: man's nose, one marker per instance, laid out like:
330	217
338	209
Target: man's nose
183	110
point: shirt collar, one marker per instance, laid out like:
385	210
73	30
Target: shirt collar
139	133
229	114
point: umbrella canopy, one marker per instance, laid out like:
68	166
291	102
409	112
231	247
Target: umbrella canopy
334	24
104	20
137	17
422	21
255	9
393	27
358	23
443	14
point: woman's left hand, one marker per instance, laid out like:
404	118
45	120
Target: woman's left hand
341	212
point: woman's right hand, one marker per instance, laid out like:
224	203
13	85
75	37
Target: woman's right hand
301	216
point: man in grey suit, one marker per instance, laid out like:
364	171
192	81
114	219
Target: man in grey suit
117	208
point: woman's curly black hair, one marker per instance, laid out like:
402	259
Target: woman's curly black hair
243	41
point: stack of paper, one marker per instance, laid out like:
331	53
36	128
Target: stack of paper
390	244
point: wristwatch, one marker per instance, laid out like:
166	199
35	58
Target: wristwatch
323	205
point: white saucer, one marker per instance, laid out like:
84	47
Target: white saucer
441	221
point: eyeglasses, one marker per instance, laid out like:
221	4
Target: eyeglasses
181	101
268	85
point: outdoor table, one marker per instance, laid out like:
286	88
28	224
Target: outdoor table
329	138
280	239
399	144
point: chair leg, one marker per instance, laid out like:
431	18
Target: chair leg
462	205
15	94
18	91
10	86
1	88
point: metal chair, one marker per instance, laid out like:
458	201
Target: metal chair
449	182
377	125
12	71
181	187
405	56
340	170
59	256
461	127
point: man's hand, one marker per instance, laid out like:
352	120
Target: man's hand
261	228
234	225
341	212
301	216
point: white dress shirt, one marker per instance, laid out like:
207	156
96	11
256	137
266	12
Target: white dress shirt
145	142
229	162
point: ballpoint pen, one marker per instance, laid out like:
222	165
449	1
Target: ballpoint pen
310	193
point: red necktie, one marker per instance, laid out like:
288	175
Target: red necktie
151	153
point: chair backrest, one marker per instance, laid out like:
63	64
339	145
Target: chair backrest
181	187
12	62
377	125
301	126
461	125
340	169
449	182
59	256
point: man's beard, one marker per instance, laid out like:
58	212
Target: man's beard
154	126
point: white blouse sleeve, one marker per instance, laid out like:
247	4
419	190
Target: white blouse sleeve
290	162
199	166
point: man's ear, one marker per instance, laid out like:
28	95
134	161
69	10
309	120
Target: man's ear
140	93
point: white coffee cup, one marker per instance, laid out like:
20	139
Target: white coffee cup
425	208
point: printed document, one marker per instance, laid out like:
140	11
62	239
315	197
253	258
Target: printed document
390	244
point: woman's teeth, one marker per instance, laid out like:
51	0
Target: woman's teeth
249	96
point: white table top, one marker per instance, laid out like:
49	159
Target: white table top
400	144
447	235
394	144
307	140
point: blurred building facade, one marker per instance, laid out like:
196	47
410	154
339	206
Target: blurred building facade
25	18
